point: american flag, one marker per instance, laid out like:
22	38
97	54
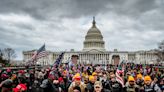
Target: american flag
41	52
119	71
58	60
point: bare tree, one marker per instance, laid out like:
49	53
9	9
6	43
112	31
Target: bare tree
8	54
2	61
1	55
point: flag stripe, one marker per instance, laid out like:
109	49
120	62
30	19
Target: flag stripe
119	78
34	55
42	55
41	52
120	70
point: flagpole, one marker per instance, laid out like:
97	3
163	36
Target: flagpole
35	64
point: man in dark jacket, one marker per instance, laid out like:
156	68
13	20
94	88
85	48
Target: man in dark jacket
90	85
113	85
150	86
47	86
64	82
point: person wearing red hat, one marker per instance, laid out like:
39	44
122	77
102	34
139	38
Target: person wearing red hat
4	77
61	80
56	84
64	81
61	84
20	88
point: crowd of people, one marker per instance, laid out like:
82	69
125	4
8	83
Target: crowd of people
74	77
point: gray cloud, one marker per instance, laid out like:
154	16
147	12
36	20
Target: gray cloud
43	9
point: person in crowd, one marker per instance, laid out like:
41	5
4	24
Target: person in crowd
35	86
6	85
113	85
103	78
73	62
77	82
82	78
76	89
161	84
47	86
86	80
131	86
64	81
90	84
55	84
61	84
20	88
140	82
41	75
95	76
84	73
98	87
150	86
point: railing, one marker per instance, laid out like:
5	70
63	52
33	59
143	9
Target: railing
21	67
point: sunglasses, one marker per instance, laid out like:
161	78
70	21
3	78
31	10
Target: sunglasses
131	81
97	87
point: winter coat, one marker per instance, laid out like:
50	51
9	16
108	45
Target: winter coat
48	86
152	88
65	85
90	87
113	86
129	88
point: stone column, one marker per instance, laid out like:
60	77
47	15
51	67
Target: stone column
96	57
87	56
82	58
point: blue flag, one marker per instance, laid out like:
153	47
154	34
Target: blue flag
58	60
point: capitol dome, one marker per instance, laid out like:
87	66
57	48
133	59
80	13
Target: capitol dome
94	39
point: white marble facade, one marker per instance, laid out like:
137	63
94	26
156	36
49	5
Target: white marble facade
97	57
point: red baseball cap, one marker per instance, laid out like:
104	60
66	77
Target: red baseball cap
20	87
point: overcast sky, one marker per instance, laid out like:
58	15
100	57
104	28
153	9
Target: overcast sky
127	25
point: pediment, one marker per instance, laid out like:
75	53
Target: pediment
94	51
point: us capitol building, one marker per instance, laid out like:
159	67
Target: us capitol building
94	52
